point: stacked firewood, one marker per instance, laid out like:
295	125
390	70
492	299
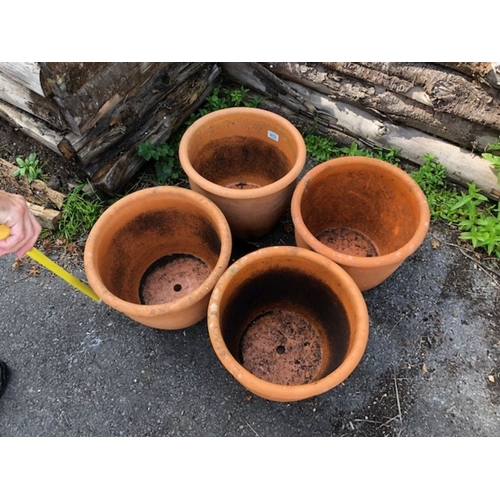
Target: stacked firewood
97	114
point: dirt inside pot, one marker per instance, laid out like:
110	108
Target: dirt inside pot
286	326
349	241
172	277
150	238
282	347
241	162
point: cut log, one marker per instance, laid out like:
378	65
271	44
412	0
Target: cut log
449	92
40	189
420	96
34	127
23	98
26	74
97	114
86	91
373	129
47	217
149	102
115	167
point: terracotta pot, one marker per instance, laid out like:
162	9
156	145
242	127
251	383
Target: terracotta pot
365	214
247	161
287	323
155	255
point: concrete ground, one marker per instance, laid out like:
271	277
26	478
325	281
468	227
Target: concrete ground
80	368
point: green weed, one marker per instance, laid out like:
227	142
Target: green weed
29	168
221	98
4	151
494	159
164	157
472	212
323	148
431	177
79	214
390	155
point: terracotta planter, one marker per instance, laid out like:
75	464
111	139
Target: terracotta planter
156	254
287	323
363	213
247	161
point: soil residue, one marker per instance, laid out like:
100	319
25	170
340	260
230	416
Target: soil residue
241	163
348	241
282	347
172	277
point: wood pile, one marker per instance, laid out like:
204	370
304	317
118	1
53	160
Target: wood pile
448	110
97	114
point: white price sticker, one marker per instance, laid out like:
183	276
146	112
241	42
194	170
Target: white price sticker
273	135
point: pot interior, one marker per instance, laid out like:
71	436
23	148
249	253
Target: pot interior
358	211
159	256
286	326
240	162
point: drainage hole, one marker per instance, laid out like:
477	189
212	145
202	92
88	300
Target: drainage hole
177	287
280	349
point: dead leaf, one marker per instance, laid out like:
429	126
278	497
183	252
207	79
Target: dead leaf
435	244
72	248
424	368
17	264
34	271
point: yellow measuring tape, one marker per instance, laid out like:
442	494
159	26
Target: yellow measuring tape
39	257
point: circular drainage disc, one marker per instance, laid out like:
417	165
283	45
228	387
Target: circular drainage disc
282	347
172	277
348	241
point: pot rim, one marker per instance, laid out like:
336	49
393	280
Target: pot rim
242	194
181	303
288	393
352	260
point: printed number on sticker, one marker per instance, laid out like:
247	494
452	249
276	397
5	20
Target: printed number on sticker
273	135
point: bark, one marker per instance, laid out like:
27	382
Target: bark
115	167
421	96
23	98
147	102
32	126
86	91
26	74
486	72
